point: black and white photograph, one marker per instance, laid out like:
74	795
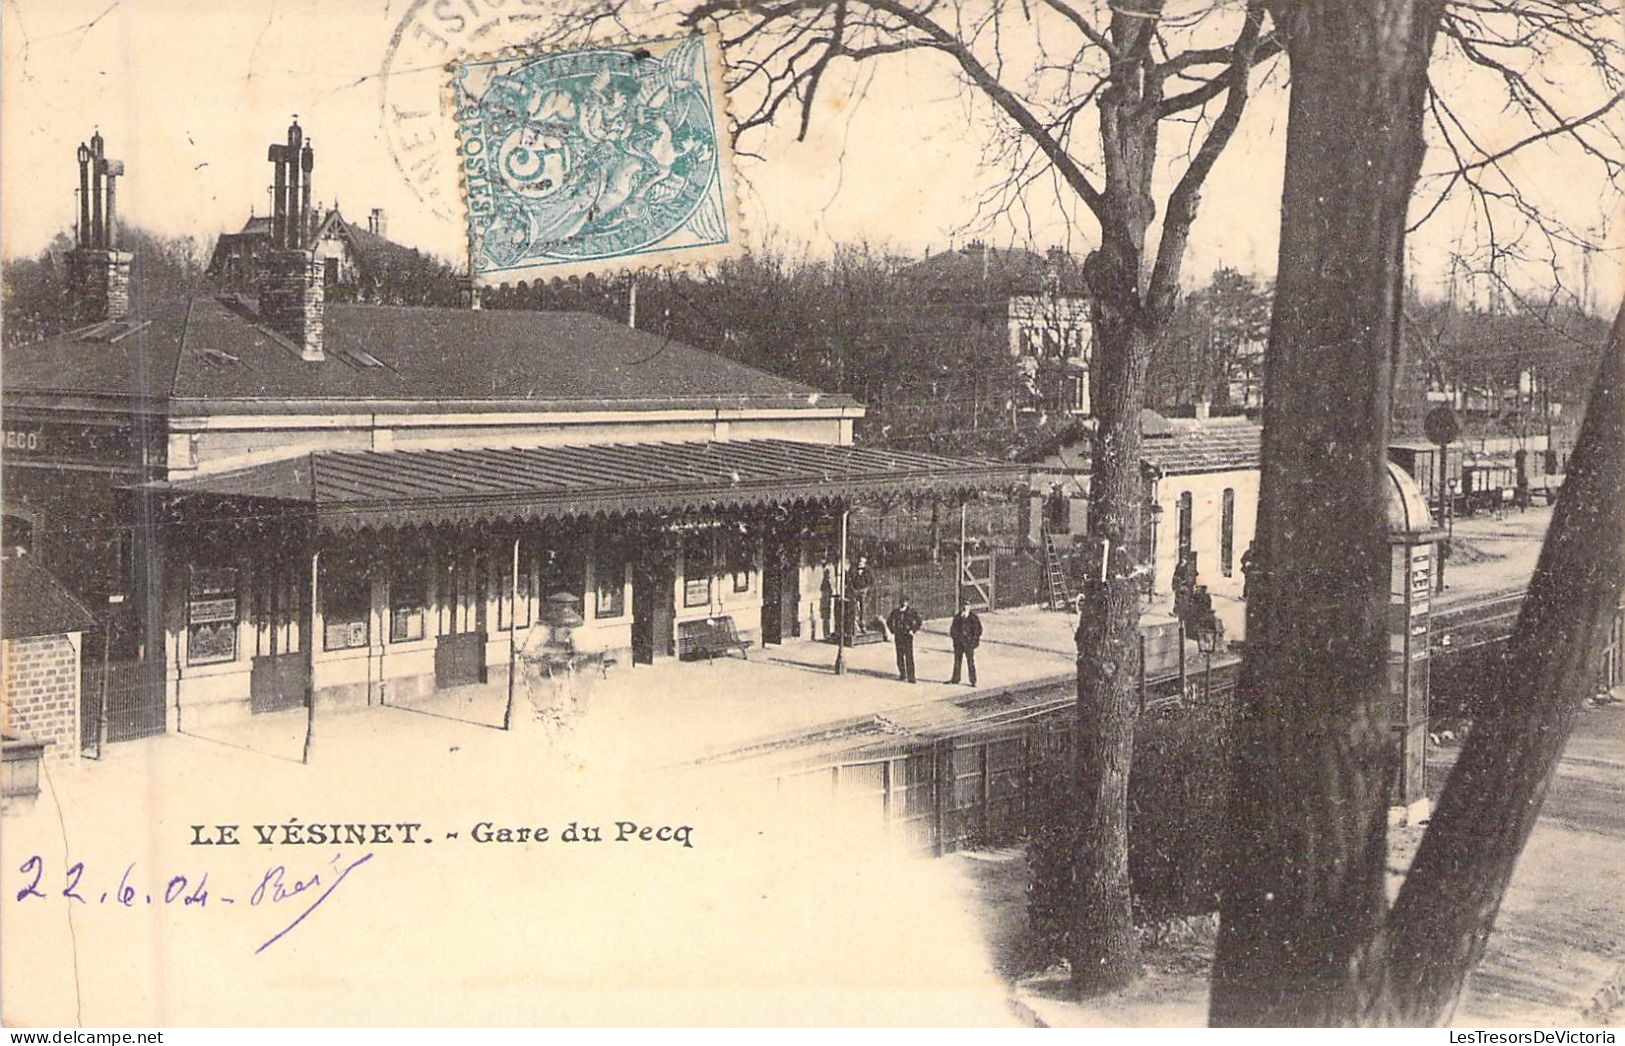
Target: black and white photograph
955	514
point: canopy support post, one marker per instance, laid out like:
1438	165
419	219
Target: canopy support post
844	618
513	634
310	677
964	564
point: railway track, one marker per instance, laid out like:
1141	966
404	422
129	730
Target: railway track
1476	623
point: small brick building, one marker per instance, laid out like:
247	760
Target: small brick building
43	628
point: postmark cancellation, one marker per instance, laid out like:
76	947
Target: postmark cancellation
600	159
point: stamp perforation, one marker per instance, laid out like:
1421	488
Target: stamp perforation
657	254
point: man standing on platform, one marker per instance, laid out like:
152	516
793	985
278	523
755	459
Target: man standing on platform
966	632
904	622
858	583
826	600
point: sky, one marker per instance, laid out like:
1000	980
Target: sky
189	93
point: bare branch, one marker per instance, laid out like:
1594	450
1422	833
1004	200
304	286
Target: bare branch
1182	202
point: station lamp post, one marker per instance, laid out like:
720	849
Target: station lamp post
1209	635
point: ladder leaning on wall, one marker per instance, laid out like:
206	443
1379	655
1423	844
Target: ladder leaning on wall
1060	591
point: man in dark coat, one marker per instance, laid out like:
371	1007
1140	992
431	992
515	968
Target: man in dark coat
826	600
1184	583
966	632
860	580
904	622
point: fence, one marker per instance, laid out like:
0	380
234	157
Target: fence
134	705
977	787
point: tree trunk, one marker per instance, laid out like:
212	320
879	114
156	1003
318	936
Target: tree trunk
1442	919
1314	763
1105	954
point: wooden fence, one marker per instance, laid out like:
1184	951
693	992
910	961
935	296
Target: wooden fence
974	788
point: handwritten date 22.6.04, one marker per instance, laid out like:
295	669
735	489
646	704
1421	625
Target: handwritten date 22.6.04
277	887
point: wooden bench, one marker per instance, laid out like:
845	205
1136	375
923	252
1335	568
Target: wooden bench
712	637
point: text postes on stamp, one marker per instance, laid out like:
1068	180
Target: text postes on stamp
600	159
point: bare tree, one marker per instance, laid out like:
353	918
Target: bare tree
1087	106
1306	937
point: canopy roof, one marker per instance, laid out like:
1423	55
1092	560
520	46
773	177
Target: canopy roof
377	489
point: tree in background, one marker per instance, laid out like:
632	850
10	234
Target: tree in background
36	304
1238	320
932	377
1214	346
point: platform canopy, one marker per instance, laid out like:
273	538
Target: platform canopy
351	490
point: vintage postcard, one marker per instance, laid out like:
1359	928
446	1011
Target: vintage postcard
867	513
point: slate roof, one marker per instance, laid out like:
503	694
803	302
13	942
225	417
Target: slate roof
1213	446
1173	446
125	361
254	236
353	489
212	355
33	603
374	254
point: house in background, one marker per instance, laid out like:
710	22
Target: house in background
358	264
1037	299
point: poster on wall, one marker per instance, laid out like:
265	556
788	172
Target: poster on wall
211	614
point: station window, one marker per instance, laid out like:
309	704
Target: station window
563	569
408	601
346	605
609	582
211	617
1184	524
524	606
741	558
698	563
1227	533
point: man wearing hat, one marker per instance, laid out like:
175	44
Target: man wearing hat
904	622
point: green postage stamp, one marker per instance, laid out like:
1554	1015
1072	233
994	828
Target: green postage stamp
601	159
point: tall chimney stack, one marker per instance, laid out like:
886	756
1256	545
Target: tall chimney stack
279	197
293	296
293	236
98	272
84	195
96	230
307	160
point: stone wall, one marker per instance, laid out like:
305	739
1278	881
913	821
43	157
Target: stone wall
40	679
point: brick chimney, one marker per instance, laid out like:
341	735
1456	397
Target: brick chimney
293	293
375	222
293	299
98	272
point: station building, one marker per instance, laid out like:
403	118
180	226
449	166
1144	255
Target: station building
280	499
